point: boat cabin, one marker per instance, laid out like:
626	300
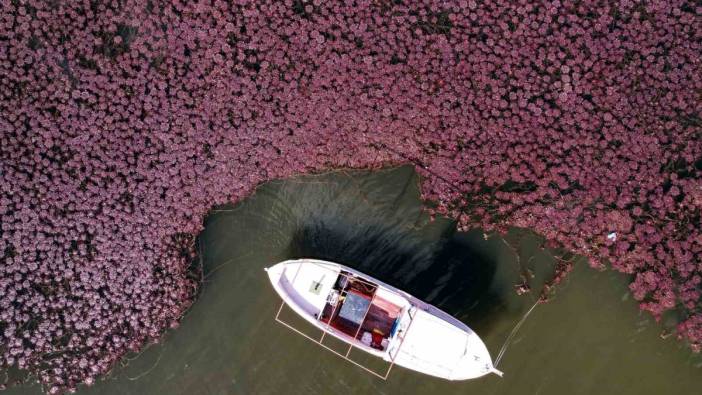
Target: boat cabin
362	310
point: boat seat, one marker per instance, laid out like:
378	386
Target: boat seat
394	326
377	339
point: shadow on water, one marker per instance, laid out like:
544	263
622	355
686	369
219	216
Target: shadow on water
459	282
448	272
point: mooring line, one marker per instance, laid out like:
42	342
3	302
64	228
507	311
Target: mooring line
511	335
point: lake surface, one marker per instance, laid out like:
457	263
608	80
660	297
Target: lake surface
589	339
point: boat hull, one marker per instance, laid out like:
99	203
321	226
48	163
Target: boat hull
427	340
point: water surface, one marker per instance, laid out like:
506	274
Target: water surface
589	339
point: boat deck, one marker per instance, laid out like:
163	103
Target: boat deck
360	312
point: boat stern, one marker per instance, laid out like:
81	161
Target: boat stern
275	272
303	284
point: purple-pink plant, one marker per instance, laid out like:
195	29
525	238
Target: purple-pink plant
122	123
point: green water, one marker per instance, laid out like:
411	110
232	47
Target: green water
590	339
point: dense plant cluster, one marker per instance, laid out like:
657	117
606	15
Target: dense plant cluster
122	122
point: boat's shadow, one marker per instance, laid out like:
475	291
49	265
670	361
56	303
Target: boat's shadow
448	273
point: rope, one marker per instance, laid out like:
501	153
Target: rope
514	332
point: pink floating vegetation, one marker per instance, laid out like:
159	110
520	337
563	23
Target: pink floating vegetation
123	122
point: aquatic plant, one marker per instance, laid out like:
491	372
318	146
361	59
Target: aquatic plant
121	123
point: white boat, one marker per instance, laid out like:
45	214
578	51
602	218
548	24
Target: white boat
379	319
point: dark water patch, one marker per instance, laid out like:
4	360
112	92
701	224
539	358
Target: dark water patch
447	272
390	255
459	282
